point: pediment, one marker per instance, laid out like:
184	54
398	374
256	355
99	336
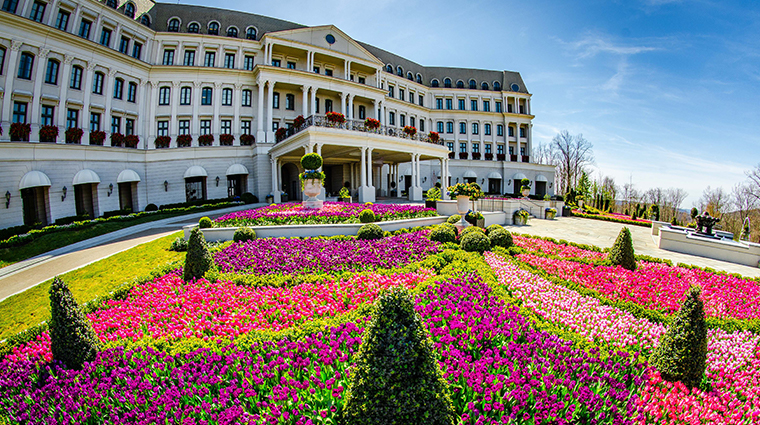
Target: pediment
320	37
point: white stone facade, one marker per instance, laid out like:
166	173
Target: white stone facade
151	70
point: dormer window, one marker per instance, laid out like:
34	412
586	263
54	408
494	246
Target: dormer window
409	76
194	28
250	33
484	86
213	28
434	83
129	10
389	68
447	83
496	86
419	79
399	71
145	20
460	84
173	25
473	85
232	32
112	3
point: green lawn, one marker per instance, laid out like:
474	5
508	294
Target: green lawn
32	306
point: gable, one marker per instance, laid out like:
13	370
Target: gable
317	36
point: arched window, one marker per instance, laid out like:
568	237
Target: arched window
460	84
399	71
232	32
173	25
447	83
25	66
389	68
129	10
484	86
213	28
409	76
473	84
434	83
419	79
145	20
250	33
496	86
194	28
112	3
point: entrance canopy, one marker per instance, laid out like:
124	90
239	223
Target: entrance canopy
236	169
86	176
196	171
470	174
494	175
128	176
541	178
519	176
34	179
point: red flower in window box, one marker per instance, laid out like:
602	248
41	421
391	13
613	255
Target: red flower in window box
476	155
501	157
184	140
410	131
20	132
97	137
117	139
74	135
226	139
335	117
434	137
131	141
48	133
281	133
451	155
247	139
299	121
206	140
163	142
462	155
489	156
372	123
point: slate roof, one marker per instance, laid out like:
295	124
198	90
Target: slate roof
162	12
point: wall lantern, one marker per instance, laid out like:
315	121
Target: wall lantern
482	181
217	181
166	186
509	182
457	179
7	199
63	197
400	179
550	185
110	189
424	179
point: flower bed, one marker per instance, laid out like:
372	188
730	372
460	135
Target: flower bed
552	248
270	256
331	213
615	218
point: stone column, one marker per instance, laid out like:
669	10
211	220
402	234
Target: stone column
343	103
39	77
142	120
50	19
195	130
260	134
517	138
11	67
275	189
215	124
305	101
350	107
108	93
313	101
173	125
153	105
270	109
89	74
62	95
363	167
369	167
236	119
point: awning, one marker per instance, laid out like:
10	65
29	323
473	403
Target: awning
494	175
236	169
541	178
196	171
128	176
86	176
34	179
470	174
519	176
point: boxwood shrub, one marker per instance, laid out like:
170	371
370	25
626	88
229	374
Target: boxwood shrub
370	231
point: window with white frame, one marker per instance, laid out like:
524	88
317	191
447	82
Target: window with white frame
184	127
246	96
227	97
185	95
163	128
164	95
205	127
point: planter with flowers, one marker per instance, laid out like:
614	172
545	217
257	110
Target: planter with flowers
520	217
550	213
525	187
226	139
184	141
501	157
20	132
462	155
488	156
335	117
451	155
476	155
280	134
344	195
371	124
206	140
117	139
410	131
73	135
312	180
48	133
434	137
246	139
299	121
463	193
433	196
163	142
97	137
131	141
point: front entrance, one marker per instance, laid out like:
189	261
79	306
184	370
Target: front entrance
35	200
236	185
407	183
516	185
291	183
540	188
84	199
195	189
494	185
127	192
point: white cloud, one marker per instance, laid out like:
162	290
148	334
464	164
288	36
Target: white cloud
592	44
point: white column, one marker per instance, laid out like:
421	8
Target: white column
414	172
275	189
142	119
305	101
215	124
173	124
350	107
237	98
50	20
153	103
313	101
260	135
363	167
62	95
35	118
108	93
517	138
369	167
196	125
11	66
343	103
89	74
418	182
529	144
270	108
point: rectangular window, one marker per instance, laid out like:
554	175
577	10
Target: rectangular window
245	127
132	92
275	126
411	121
72	118
10	5
439	125
411	97
229	60
499	130
97	83
47	115
487	129
391	92
248	63
38	11
475	128
500	149
329	72
463	147
118	88
290	102
511	132
476	147
511	150
522	132
422	125
246	98
488	148
124	45
498	106
137	50
276	100
438	103
402	120
19	112
291	65
226	127
105	37
460	104
25	66
62	21
115	124
362	80
276	62
129	127
316	103
184	127
163	128
391	118
84	29
316	70
401	94
509	108
51	73
94	121
169	57
450	146
185	95
164	95
486	106
522	151
462	128
189	58
450	127
227	97
421	100
449	103
206	94
2	59
473	105
76	78
205	127
210	59
362	112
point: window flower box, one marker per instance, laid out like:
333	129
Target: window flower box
335	117
247	139
131	141
476	155
184	141
462	155
371	124
226	139
410	131
434	137
162	142
117	139
48	133
280	134
206	140
97	137
74	135
501	157
451	155
20	132
489	156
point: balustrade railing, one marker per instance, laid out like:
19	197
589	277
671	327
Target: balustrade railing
356	125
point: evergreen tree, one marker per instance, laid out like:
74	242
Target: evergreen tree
72	339
198	260
682	352
621	253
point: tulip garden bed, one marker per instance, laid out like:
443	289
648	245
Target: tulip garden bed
270	337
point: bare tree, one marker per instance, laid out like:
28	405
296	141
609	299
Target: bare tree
753	183
542	154
714	201
674	197
572	154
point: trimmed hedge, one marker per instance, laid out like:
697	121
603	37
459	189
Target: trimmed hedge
72	339
367	216
475	242
621	253
612	219
443	234
500	237
198	260
243	234
370	231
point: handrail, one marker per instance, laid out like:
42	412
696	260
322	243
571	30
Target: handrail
355	125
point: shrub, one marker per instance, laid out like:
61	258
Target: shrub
443	234
694	213
634	216
179	245
367	216
249	198
622	253
72	339
452	227
198	260
311	161
151	207
397	379
344	193
475	241
454	219
243	234
205	223
682	351
370	231
500	237
434	194
493	227
469	230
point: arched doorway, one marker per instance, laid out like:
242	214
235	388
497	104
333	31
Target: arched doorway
86	193
34	188
291	184
195	183
127	182
237	180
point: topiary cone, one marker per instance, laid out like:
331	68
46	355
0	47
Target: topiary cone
397	379
72	339
621	253
198	259
682	352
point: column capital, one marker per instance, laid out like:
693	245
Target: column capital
218	84
67	59
43	53
238	86
112	73
176	84
91	66
197	84
305	88
16	45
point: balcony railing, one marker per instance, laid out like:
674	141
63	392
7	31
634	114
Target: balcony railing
355	125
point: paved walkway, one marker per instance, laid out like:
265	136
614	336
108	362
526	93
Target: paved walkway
604	233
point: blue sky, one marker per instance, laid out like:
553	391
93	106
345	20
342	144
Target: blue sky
667	91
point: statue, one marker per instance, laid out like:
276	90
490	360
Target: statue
705	223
